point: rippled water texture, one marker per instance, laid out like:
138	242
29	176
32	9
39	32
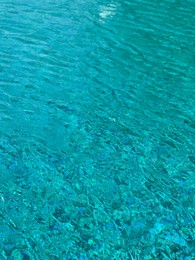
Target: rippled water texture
97	129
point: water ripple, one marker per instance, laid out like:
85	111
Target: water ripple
97	129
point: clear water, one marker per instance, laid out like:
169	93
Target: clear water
97	129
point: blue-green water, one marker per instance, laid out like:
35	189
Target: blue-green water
97	129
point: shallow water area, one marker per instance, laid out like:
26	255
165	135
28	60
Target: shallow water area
97	129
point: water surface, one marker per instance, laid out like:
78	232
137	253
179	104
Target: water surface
97	129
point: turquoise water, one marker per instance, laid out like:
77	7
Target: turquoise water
97	130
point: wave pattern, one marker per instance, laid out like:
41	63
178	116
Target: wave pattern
97	129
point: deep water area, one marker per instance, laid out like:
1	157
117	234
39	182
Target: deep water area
97	130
